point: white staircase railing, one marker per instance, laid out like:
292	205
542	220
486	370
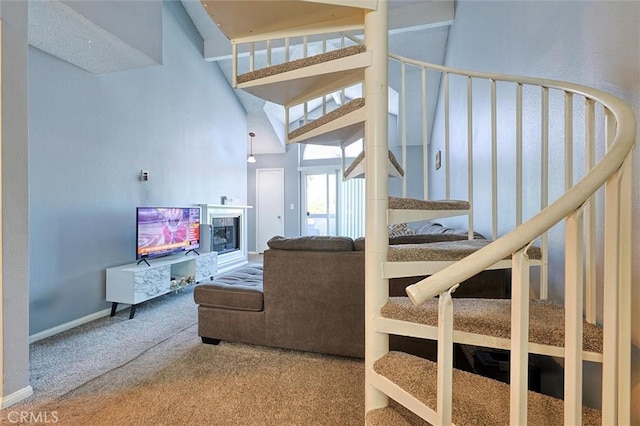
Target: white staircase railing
613	173
256	54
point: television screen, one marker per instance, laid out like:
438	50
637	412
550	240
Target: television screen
166	230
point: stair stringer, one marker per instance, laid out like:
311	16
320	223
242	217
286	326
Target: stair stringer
341	129
398	394
422	331
413	210
293	87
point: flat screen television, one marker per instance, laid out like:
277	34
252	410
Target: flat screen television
161	231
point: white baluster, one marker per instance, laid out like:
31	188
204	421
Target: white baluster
519	367
590	156
425	136
568	140
494	162
403	105
470	151
624	296
573	278
252	56
446	138
544	191
445	356
234	64
611	294
518	154
268	53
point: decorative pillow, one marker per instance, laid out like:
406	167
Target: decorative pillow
436	228
400	229
311	243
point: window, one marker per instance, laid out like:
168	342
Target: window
332	206
322	152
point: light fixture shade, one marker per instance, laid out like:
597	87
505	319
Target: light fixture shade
251	158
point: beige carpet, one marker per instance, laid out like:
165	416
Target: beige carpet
154	370
476	399
184	382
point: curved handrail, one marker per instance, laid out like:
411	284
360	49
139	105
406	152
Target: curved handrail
572	199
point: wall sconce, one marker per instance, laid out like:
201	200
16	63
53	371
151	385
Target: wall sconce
251	158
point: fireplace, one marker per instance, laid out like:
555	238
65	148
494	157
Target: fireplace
228	227
226	234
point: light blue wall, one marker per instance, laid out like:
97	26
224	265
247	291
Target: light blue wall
15	263
89	137
413	173
591	43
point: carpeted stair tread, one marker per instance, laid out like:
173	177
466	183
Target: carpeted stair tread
394	414
393	162
492	317
301	63
327	118
444	251
386	416
477	400
399	203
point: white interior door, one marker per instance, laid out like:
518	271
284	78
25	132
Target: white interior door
269	206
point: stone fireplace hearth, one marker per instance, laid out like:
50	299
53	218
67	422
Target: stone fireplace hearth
229	234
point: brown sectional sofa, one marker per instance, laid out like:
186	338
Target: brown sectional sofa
310	297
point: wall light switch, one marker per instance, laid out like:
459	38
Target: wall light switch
293	207
144	175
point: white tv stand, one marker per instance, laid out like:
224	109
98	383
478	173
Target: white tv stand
135	283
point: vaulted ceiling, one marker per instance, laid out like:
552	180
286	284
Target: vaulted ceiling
82	34
417	29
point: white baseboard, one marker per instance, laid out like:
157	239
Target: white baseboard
16	397
71	324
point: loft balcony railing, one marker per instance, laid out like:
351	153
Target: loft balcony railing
260	54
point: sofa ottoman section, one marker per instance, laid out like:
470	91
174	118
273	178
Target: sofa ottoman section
232	307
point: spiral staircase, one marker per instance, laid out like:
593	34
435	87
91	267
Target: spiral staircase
404	389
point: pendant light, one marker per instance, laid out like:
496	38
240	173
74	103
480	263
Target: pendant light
251	158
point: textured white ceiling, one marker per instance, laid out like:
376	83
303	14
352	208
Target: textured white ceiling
62	32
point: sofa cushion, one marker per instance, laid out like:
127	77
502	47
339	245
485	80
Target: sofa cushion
240	290
311	243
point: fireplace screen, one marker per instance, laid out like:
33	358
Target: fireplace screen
226	236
